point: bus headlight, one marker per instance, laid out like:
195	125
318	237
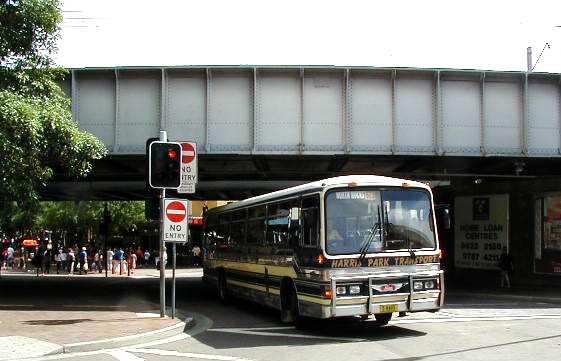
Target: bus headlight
418	285
341	290
429	284
354	289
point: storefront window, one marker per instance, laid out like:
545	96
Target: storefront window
548	235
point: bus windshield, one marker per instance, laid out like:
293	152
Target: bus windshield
384	219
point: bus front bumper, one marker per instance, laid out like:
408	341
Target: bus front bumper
412	301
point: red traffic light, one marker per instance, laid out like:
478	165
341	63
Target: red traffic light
172	154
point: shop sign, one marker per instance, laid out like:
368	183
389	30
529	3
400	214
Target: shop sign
480	230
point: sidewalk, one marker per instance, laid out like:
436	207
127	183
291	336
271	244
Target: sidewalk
536	294
53	314
138	274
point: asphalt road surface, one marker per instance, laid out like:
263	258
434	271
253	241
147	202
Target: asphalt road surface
468	328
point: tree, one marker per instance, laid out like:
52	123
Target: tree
38	137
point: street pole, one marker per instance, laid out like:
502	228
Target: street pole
106	221
163	138
173	283
529	58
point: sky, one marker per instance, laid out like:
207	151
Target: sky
490	35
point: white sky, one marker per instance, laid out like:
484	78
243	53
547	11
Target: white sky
431	34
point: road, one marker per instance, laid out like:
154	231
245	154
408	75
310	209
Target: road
469	328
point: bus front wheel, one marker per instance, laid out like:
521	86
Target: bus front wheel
289	306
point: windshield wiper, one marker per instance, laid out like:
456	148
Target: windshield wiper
364	248
411	252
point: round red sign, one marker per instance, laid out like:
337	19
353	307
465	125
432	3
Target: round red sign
187	153
176	212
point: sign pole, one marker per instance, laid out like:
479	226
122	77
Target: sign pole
173	283
164	138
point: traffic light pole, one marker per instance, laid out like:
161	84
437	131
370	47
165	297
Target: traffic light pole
163	138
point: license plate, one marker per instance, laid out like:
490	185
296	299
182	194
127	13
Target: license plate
388	308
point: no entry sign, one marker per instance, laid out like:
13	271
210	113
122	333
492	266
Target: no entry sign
176	211
189	165
175	220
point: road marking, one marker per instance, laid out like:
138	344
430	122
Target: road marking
471	319
250	332
123	355
188	354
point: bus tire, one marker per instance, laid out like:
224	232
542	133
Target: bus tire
383	318
223	294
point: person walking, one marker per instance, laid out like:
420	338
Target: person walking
83	259
71	261
37	260
96	266
134	260
58	261
146	257
196	256
10	258
109	260
507	267
64	260
47	258
118	260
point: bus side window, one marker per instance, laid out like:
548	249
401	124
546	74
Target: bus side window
237	229
278	225
310	221
256	225
210	234
223	233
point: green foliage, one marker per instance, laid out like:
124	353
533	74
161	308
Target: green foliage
38	137
83	217
28	32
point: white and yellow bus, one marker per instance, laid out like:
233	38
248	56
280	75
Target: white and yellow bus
346	246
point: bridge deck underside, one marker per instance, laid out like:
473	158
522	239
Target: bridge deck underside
241	176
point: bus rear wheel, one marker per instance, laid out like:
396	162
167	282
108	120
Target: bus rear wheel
383	318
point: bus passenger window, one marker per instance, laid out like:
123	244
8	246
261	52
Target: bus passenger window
237	229
277	225
222	233
256	225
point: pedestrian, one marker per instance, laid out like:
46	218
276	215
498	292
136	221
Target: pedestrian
96	264
131	260
109	260
146	257
71	261
507	267
196	256
63	259
47	258
139	256
37	260
83	259
10	260
118	260
58	261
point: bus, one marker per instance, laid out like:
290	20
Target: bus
358	245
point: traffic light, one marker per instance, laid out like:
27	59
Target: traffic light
164	168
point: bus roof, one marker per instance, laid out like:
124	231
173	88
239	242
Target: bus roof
361	180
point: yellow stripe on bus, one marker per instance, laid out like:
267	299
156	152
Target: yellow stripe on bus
279	271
